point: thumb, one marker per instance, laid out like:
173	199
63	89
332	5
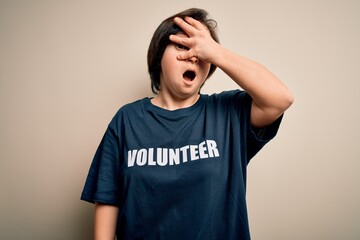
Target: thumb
187	55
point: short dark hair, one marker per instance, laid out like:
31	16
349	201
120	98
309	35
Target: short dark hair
160	40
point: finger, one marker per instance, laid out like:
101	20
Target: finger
195	23
187	55
186	27
185	41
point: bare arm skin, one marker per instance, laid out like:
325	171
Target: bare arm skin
105	221
270	96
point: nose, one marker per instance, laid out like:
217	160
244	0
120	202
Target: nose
193	59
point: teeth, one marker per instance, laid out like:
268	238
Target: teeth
189	75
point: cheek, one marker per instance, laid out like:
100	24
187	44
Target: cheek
168	61
205	69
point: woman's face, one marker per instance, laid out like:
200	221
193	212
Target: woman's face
181	78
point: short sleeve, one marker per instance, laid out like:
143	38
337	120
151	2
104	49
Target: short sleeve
102	183
256	138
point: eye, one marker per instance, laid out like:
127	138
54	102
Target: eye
181	47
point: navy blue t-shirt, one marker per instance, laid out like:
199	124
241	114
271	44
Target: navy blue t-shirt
178	174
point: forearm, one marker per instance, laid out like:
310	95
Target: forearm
105	221
267	91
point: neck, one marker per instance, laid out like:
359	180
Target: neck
172	103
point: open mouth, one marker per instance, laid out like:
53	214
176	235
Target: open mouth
189	75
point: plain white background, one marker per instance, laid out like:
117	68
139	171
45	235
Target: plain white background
67	66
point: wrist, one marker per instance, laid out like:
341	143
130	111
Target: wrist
218	56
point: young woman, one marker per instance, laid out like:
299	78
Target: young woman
174	166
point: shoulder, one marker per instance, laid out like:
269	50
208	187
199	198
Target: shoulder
131	108
127	112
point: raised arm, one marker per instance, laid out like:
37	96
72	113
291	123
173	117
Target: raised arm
270	96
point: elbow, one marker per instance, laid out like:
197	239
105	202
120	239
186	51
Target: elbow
287	101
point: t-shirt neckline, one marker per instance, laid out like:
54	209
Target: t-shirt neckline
174	113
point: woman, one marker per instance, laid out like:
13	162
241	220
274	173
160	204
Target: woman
174	166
